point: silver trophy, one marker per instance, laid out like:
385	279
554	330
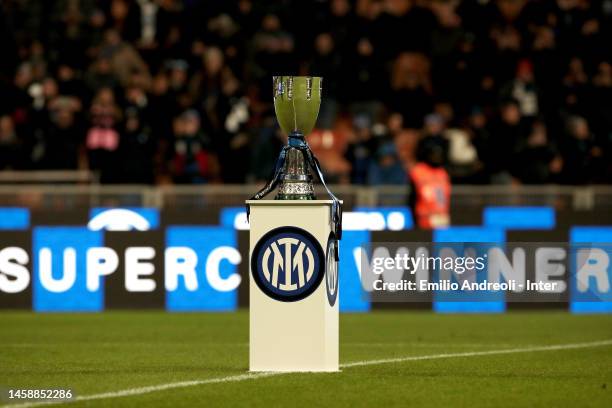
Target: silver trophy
296	102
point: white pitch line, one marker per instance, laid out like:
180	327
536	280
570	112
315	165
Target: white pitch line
480	353
252	376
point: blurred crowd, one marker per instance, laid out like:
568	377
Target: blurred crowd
171	91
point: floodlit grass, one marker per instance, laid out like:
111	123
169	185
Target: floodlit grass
113	351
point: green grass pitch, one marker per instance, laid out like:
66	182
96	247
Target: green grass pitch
113	351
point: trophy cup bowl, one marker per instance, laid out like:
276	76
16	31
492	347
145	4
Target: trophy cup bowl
296	102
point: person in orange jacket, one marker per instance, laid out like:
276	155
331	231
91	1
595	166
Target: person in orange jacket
430	188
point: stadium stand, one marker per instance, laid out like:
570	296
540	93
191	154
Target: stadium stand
170	91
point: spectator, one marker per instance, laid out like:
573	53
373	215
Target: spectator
433	135
387	169
430	189
411	89
576	87
177	77
267	141
137	149
193	161
100	75
582	155
361	84
601	103
326	64
505	135
124	60
102	139
273	50
64	139
537	160
523	90
481	139
362	147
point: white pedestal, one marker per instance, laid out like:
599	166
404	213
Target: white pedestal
300	335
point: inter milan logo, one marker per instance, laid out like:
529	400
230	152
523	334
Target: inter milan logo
331	277
288	264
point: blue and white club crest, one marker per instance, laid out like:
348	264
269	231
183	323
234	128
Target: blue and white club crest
331	277
288	264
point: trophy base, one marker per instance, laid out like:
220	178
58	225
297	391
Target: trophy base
296	191
294	197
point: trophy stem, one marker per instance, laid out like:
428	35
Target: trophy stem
296	180
296	139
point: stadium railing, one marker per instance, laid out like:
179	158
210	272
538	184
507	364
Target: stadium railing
47	176
51	195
